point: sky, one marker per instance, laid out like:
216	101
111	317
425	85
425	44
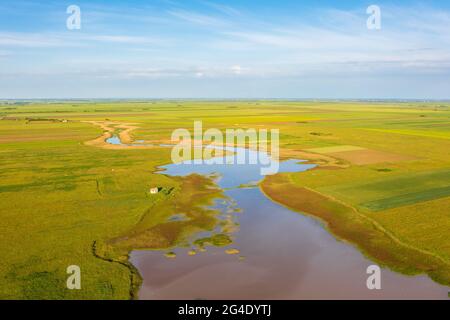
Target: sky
316	49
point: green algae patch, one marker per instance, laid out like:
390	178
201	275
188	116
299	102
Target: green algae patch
170	255
217	240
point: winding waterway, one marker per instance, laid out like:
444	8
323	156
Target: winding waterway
281	254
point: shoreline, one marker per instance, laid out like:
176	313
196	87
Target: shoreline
109	128
360	231
394	260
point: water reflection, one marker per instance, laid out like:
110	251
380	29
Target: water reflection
278	253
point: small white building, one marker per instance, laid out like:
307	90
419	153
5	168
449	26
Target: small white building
154	190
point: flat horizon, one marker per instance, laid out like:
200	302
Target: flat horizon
232	99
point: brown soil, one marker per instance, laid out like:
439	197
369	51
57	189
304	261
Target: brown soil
349	224
323	161
362	157
109	127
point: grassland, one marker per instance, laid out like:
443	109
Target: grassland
65	202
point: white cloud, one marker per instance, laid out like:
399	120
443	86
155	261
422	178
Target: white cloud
70	39
343	44
121	39
236	69
29	40
4	53
228	45
228	10
197	18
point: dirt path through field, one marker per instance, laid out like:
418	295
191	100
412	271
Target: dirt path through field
109	129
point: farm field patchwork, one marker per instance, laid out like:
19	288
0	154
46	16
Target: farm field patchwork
382	183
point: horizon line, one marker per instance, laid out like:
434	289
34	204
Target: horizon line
227	99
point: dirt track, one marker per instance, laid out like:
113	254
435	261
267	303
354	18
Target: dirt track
109	127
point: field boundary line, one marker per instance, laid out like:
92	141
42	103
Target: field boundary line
135	283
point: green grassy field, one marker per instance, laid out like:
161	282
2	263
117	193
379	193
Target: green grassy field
63	202
395	191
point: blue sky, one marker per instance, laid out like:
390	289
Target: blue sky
224	49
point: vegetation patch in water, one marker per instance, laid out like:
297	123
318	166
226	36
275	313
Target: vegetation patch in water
170	255
232	251
217	240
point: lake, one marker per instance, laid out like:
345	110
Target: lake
279	253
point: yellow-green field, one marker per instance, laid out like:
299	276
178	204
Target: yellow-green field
383	184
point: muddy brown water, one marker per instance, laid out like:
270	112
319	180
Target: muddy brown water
282	254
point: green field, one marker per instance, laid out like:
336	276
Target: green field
63	202
396	191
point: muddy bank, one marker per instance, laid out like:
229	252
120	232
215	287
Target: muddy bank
350	225
275	253
123	131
